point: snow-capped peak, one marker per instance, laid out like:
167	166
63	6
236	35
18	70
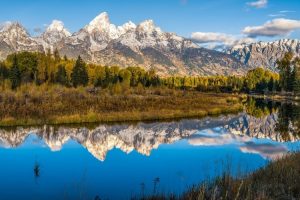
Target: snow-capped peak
6	26
13	30
99	23
55	32
58	26
148	26
128	26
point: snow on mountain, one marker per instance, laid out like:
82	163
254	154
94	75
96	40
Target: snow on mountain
104	43
264	54
14	37
5	26
54	34
58	27
101	26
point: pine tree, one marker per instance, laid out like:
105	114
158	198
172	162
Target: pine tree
15	75
3	71
79	74
56	56
61	75
271	85
296	76
285	69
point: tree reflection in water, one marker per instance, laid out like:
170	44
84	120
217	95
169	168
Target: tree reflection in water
288	123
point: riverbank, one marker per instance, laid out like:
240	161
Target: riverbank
290	97
58	105
278	180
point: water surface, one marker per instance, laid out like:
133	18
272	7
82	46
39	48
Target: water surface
120	161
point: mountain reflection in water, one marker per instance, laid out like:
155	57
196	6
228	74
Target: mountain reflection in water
58	162
241	129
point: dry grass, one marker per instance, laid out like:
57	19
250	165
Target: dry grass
278	180
32	105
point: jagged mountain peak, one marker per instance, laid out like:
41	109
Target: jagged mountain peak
127	26
144	45
148	26
58	26
264	54
99	23
5	26
55	33
12	27
14	37
100	30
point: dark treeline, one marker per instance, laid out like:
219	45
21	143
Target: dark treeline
288	115
289	69
46	68
40	68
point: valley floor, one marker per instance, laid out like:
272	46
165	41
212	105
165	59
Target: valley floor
35	105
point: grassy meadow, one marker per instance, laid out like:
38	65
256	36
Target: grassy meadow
37	105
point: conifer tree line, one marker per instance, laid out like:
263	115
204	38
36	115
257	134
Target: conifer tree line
289	70
50	68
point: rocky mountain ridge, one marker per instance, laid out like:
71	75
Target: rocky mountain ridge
264	54
103	43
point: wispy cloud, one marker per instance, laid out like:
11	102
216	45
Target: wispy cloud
287	11
258	4
281	13
276	15
213	39
275	27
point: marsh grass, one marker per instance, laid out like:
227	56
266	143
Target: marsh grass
277	180
37	105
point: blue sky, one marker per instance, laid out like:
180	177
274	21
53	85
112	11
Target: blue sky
229	17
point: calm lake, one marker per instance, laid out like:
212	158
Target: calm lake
121	161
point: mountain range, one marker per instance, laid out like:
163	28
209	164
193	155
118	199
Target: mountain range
144	45
101	42
264	54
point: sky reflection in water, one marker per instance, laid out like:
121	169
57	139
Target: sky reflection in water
121	161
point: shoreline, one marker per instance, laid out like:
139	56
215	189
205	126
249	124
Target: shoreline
277	180
277	97
120	117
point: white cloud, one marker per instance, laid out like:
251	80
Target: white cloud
258	4
206	37
267	150
217	139
276	27
212	40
